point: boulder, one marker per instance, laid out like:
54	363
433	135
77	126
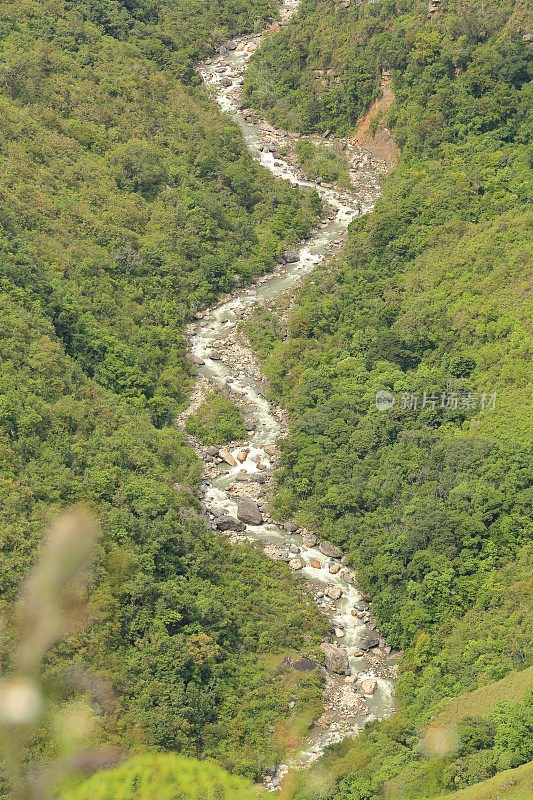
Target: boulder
270	449
291	527
334	568
309	539
211	450
369	642
248	511
229	523
296	564
336	658
227	457
333	592
329	550
369	685
316	564
242	455
291	256
304	664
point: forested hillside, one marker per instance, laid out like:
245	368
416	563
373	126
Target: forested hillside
128	202
430	303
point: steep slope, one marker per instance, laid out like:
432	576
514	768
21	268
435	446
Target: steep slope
427	489
127	203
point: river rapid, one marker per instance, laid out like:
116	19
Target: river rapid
360	667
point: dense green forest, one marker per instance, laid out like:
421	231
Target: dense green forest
429	303
128	202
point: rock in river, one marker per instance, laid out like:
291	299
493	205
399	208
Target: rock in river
369	685
227	457
228	523
248	511
333	592
296	563
336	658
329	550
291	256
309	539
369	642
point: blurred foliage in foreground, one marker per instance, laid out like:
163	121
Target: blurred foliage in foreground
163	777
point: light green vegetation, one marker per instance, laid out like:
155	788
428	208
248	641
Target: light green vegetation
217	421
514	784
163	777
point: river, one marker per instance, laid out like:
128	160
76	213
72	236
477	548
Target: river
359	679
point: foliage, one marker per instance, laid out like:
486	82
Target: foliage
217	421
322	162
163	777
128	202
429	302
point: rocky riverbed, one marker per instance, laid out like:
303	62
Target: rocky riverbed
359	665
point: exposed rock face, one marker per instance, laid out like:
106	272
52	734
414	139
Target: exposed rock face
228	523
329	550
336	658
248	511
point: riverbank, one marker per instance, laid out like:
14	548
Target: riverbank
359	665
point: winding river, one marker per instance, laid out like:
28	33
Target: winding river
360	666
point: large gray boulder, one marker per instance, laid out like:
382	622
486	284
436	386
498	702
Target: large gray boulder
329	550
248	511
336	658
229	523
369	642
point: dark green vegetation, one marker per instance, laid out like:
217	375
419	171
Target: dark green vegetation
217	421
127	203
430	299
165	777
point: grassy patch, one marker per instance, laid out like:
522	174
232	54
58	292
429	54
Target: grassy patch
513	784
482	702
